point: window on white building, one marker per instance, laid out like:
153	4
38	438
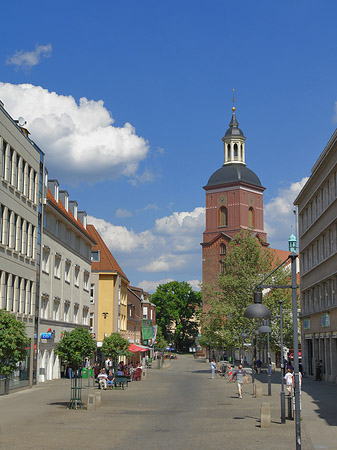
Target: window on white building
77	276
57	267
92	293
85	316
76	308
56	309
86	281
67	271
44	307
66	311
45	259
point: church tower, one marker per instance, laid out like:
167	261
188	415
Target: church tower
234	201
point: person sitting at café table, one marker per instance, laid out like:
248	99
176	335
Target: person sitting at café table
102	379
111	379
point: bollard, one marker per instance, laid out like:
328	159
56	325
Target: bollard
290	408
265	415
98	399
91	402
258	391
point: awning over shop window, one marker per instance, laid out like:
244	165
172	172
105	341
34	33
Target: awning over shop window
137	348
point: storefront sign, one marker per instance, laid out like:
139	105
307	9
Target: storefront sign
45	335
325	320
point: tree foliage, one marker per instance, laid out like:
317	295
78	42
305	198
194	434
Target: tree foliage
246	264
13	342
160	344
75	346
176	312
114	346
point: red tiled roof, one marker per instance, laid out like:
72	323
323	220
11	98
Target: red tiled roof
107	262
59	205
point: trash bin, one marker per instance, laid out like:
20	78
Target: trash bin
150	360
84	373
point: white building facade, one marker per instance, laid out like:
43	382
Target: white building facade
317	208
21	169
65	277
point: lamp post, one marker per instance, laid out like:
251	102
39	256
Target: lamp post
257	310
283	407
266	329
243	335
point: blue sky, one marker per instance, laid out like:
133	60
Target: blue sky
156	78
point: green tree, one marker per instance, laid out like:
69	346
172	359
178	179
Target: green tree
177	308
75	346
13	343
246	264
114	346
160	344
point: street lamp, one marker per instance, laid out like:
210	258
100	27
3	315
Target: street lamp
257	310
266	329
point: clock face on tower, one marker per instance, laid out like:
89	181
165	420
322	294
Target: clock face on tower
223	199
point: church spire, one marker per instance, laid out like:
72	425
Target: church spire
234	141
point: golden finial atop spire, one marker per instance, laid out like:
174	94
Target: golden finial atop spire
233	109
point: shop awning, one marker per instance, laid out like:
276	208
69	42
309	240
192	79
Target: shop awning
137	348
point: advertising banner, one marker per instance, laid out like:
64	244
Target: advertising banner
147	329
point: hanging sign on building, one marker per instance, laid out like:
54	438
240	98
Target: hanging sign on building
147	329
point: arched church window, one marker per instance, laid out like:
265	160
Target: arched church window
222	249
251	218
228	151
236	152
223	217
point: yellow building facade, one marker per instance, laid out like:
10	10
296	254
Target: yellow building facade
108	310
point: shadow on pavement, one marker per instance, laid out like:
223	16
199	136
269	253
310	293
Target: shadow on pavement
322	394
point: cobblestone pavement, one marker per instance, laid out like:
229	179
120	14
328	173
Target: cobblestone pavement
180	407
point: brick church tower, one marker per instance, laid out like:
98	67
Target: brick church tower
234	201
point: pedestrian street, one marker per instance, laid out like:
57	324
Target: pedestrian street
178	407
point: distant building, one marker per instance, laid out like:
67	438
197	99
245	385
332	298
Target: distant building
65	276
234	202
108	308
134	319
317	209
21	169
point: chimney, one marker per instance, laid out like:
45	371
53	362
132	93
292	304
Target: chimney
53	186
73	208
64	197
82	216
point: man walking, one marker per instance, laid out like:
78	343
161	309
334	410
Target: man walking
241	377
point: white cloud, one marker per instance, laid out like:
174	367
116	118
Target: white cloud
151	286
26	60
149	207
123	213
173	245
279	216
80	134
164	263
119	238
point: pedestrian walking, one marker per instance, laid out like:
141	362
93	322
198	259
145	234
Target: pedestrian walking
318	367
289	381
241	377
213	367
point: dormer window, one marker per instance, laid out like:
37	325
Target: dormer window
95	255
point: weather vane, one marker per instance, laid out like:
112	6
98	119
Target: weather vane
233	109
